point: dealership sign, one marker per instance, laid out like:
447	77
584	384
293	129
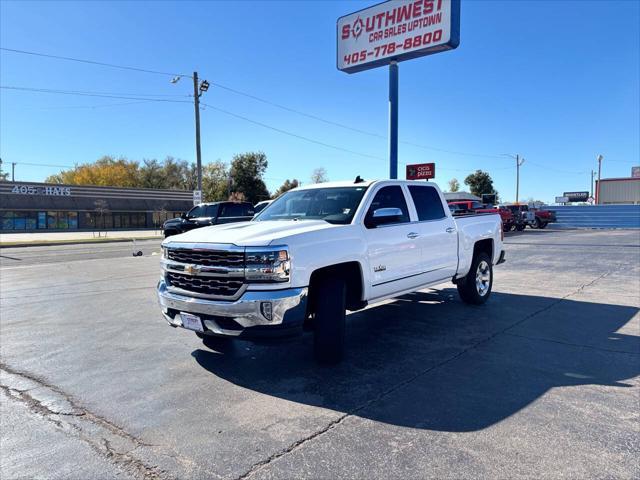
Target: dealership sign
40	190
421	171
576	196
397	30
635	172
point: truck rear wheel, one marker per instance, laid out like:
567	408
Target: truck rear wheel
476	286
520	227
543	225
329	321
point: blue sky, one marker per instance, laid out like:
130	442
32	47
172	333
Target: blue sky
556	81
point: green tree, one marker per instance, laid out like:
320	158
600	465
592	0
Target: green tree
319	175
480	182
247	170
454	185
286	186
152	174
215	182
3	175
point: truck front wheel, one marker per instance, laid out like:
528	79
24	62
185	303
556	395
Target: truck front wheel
475	288
329	320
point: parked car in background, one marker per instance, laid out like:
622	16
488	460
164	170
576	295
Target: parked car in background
543	217
462	207
258	207
207	214
521	214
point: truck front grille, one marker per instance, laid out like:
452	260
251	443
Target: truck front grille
214	286
208	258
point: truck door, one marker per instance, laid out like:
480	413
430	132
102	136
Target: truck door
437	234
393	254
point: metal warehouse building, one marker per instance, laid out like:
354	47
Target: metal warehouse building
31	207
618	191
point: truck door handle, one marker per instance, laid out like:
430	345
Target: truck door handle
413	235
450	230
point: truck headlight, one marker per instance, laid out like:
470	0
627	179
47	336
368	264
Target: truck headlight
267	264
164	252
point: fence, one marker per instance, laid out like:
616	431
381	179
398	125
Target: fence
598	216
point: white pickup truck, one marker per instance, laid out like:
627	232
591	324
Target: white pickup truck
318	251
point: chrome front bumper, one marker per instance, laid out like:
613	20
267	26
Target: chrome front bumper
288	308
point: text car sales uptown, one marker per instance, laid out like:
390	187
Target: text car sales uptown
392	23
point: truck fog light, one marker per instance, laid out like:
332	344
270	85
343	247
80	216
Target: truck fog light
266	309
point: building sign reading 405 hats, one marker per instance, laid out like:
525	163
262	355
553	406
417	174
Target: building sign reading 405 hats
39	190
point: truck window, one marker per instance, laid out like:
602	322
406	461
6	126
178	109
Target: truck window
196	212
234	210
390	197
211	210
427	202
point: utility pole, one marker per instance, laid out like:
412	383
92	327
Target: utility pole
519	163
13	171
600	157
593	174
196	103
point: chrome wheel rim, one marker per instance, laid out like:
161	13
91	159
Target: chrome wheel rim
483	278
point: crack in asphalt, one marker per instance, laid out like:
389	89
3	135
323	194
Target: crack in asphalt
569	344
335	423
73	421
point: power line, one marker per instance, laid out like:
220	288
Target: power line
92	62
89	94
64	107
347	127
44	165
255	97
291	134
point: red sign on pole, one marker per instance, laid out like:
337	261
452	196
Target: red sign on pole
421	171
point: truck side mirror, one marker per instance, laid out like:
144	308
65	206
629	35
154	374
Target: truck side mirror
183	216
382	216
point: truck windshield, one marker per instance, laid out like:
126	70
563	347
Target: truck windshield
334	205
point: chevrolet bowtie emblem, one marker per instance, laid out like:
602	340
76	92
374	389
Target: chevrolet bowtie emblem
192	269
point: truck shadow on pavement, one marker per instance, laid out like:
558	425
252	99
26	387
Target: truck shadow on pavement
427	361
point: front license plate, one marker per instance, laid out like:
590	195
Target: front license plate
192	322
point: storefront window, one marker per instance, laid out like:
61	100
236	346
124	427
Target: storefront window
7	221
31	220
73	220
62	220
52	220
42	219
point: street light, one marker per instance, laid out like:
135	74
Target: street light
198	89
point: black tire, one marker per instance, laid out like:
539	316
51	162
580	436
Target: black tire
543	225
469	288
508	228
520	227
329	321
213	342
168	233
536	223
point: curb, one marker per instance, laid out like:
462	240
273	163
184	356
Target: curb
45	243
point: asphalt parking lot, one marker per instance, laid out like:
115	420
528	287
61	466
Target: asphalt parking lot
540	382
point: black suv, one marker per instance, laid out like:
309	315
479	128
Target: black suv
207	214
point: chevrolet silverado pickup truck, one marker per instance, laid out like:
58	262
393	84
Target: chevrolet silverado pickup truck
319	251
